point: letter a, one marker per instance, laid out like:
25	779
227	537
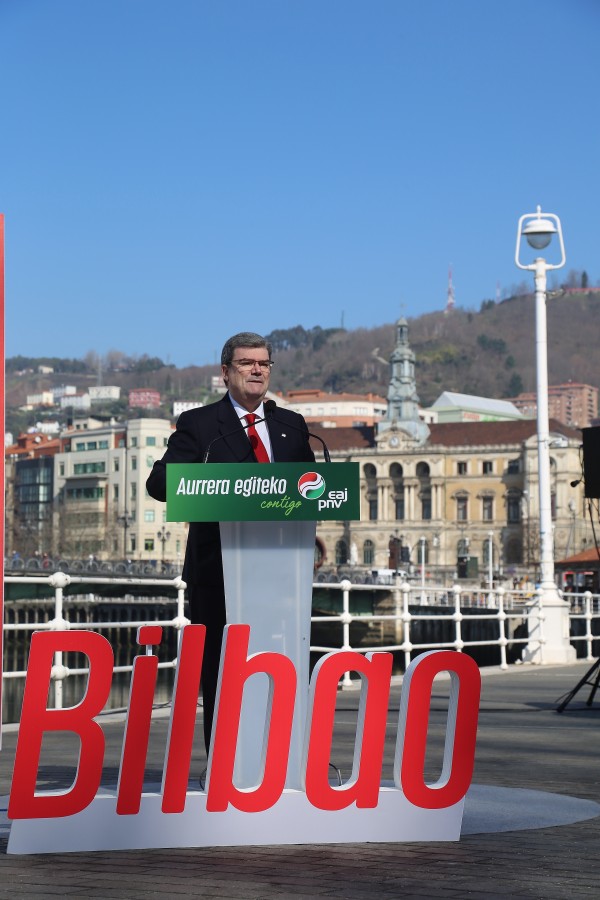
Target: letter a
236	668
364	782
37	719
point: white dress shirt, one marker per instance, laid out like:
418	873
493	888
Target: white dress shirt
261	427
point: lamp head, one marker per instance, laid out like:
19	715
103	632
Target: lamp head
538	231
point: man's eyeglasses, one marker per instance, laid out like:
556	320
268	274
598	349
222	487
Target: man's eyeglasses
244	365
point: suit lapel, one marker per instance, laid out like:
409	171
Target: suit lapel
280	441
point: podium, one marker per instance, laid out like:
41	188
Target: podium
267	519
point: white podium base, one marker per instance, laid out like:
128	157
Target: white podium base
293	820
268	572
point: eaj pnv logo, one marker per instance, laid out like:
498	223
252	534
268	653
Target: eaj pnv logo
311	486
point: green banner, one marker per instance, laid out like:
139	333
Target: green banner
254	492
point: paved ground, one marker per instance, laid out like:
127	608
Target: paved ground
523	743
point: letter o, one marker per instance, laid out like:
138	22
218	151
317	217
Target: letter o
461	733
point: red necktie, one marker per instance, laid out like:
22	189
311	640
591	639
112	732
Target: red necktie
260	451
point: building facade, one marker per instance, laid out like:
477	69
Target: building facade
101	506
459	500
335	410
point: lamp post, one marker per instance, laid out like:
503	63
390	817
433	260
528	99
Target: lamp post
422	548
491	559
163	535
538	229
126	519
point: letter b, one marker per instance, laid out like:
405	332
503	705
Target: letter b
37	719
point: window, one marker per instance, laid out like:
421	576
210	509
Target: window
133	491
341	553
513	467
370	474
133	463
115	464
115	491
149	461
103	445
134	442
487	509
462	508
79	446
423	474
132	543
149	515
92	445
61	469
426	504
397	476
150	442
488	467
461	468
513	508
149	544
368	553
462	547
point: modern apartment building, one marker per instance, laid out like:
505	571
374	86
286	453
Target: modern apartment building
101	506
571	403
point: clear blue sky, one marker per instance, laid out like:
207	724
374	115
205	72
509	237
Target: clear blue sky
174	171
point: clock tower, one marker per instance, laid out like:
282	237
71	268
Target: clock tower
402	422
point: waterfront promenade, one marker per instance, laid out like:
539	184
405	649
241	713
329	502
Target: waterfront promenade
517	841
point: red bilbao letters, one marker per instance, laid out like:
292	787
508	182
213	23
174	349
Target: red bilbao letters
362	788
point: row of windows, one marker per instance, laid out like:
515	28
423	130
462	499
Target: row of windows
420	552
85	493
150	441
33	493
90	445
89	468
513	508
35	475
104	444
150	544
462	468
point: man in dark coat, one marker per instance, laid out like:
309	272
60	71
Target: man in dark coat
219	430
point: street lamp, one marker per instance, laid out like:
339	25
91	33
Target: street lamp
538	229
491	559
422	541
163	535
126	520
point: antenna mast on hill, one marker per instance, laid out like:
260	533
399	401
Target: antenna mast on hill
450	300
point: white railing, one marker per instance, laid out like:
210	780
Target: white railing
585	607
504	608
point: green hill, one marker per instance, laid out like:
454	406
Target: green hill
490	353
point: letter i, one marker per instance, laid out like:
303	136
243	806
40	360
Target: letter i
137	727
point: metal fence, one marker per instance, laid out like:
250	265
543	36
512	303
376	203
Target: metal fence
409	608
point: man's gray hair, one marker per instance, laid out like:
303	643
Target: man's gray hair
243	339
